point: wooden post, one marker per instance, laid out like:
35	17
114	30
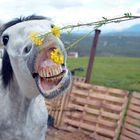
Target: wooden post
92	56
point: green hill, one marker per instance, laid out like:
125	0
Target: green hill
116	45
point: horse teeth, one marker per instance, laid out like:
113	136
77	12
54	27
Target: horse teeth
41	73
53	71
44	73
56	71
49	72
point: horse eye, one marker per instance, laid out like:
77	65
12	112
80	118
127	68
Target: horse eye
5	39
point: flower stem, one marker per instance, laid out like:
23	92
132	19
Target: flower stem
77	41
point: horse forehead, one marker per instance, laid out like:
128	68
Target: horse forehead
27	27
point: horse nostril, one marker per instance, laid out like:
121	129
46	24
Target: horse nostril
27	49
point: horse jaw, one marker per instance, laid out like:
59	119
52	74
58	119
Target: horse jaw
51	79
24	78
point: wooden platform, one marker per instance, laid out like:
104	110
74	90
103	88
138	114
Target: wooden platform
96	111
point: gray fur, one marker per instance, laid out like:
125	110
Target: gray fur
21	118
23	113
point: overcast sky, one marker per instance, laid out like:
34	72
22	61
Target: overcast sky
71	11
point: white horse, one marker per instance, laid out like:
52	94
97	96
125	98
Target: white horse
23	114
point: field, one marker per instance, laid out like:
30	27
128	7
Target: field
118	72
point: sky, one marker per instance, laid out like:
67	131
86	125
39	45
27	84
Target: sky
64	12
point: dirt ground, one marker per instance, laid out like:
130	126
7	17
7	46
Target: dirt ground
54	134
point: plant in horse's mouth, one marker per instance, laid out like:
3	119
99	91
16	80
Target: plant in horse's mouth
56	31
36	40
57	57
56	54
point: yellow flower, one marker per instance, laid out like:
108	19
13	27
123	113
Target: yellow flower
36	40
57	57
56	31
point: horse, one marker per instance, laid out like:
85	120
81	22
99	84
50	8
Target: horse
29	77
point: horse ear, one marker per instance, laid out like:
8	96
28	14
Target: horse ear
6	71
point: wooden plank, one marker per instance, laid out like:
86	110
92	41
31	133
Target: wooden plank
99	88
105	131
97	136
85	101
90	127
95	111
118	91
130	134
61	110
110	115
122	137
112	106
133	121
135	101
107	123
82	85
78	115
86	126
133	114
68	128
99	96
75	107
92	119
132	128
76	92
134	108
102	88
136	95
81	108
97	103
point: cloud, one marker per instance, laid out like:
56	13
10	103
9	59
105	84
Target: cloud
69	11
64	4
60	4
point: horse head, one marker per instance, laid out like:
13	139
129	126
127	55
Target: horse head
30	65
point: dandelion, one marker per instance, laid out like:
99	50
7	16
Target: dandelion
36	40
56	31
57	57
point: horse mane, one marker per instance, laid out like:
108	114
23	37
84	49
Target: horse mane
19	20
7	71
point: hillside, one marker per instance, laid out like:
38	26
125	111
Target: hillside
109	45
134	31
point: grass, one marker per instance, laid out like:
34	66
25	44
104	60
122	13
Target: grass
118	72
